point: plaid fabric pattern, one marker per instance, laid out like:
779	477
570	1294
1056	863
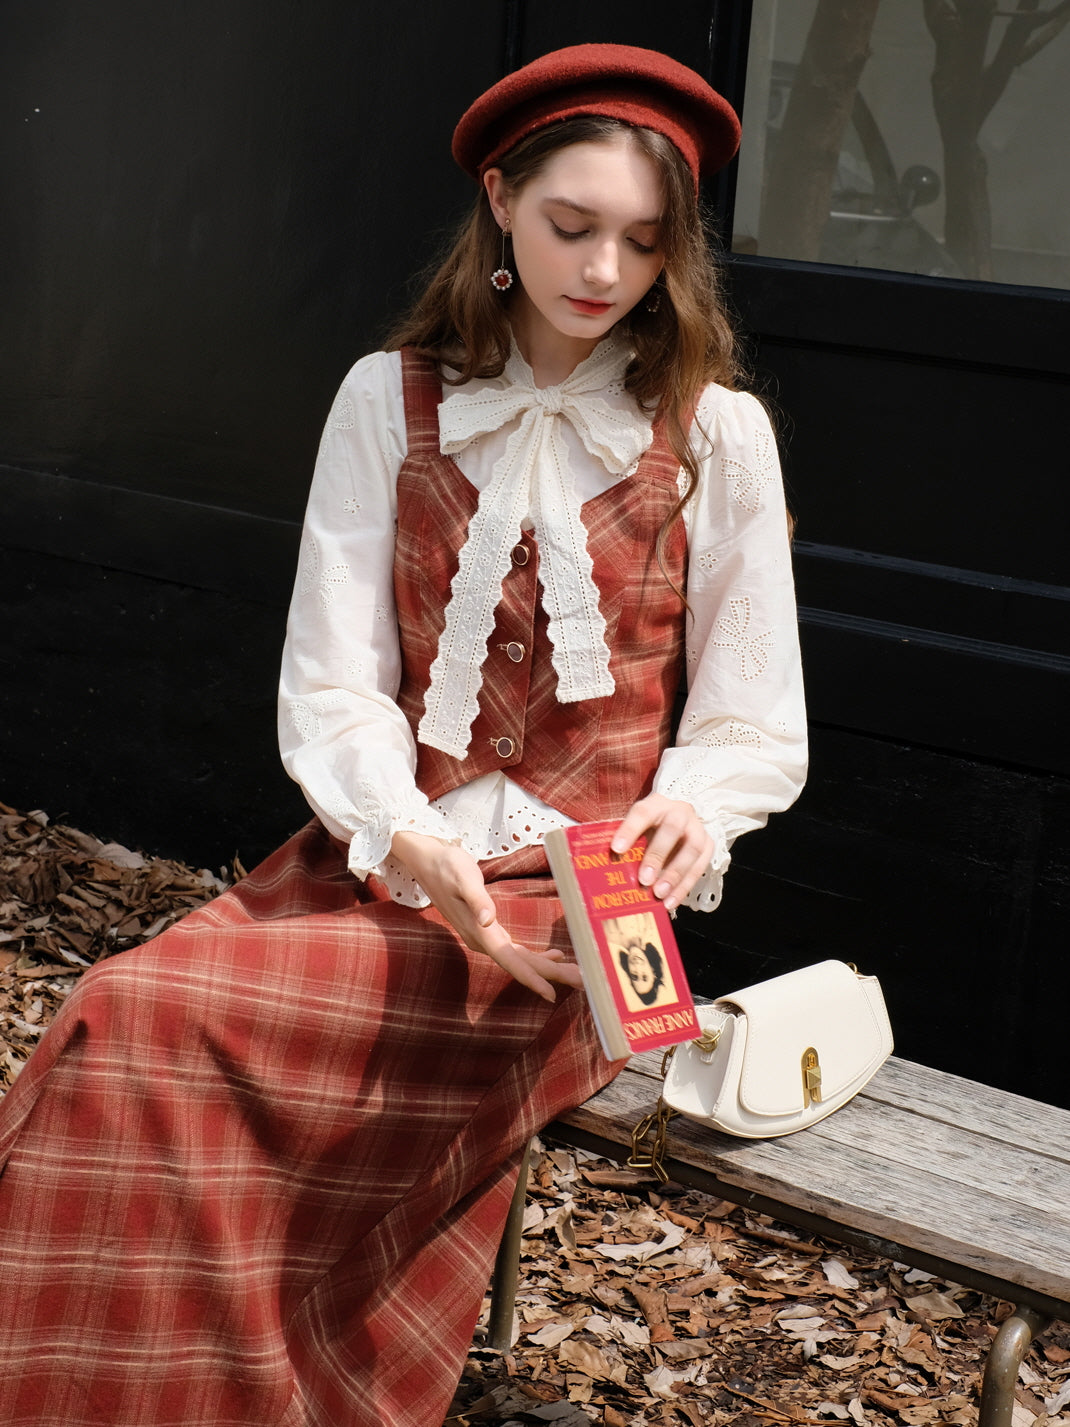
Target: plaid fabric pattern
570	755
257	1170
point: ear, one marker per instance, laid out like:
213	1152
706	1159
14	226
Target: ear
497	196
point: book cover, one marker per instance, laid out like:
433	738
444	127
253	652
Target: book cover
624	942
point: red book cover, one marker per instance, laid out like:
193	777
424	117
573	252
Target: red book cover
624	942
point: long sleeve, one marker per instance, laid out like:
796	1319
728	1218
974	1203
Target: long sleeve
341	734
741	743
740	752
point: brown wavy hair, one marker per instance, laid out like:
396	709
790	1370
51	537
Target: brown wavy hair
460	320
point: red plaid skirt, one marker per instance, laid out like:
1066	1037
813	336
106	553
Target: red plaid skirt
256	1172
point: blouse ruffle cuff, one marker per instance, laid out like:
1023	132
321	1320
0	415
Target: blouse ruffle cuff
705	895
697	789
392	872
369	845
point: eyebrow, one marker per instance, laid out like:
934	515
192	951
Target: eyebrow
593	212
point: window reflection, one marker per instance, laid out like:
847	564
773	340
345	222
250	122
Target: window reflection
912	135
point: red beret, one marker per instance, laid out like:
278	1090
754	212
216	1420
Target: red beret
640	87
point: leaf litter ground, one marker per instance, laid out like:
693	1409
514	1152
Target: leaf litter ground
637	1304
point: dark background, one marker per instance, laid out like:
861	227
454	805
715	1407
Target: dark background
211	210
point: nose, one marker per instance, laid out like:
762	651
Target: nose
603	266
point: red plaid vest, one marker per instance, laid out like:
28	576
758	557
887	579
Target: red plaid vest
590	759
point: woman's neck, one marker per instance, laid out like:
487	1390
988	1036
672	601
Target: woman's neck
552	355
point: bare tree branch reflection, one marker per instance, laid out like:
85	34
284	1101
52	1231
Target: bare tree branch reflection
796	200
965	90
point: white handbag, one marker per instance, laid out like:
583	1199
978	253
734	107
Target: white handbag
781	1055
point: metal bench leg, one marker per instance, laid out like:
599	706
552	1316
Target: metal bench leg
1004	1359
507	1264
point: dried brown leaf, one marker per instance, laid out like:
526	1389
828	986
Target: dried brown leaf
586	1357
700	1315
934	1306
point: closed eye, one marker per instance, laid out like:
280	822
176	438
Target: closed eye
573	235
568	234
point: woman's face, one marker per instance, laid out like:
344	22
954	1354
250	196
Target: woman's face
640	972
586	243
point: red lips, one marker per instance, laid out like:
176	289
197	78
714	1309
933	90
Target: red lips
592	309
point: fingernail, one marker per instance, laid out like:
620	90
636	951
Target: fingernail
646	876
663	889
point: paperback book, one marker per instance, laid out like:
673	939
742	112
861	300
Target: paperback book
624	942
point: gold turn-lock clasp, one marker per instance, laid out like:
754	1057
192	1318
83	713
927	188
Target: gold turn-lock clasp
707	1041
811	1075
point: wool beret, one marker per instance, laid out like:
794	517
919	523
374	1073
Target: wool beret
638	86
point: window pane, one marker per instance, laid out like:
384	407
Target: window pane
915	135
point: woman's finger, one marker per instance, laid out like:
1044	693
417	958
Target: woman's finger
678	847
454	882
539	971
683	884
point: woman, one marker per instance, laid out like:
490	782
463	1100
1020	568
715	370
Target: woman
642	964
257	1170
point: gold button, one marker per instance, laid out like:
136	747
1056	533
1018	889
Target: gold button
504	747
521	554
515	651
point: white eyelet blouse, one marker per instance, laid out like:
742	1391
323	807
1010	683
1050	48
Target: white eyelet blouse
740	751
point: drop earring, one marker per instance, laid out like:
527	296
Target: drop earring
501	280
653	300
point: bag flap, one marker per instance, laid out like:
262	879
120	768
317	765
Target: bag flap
695	1078
827	1009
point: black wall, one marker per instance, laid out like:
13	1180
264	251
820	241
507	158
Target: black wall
926	463
218	208
212	209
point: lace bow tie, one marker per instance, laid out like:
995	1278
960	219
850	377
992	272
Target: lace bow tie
533	477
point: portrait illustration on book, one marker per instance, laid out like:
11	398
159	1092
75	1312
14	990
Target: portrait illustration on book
645	975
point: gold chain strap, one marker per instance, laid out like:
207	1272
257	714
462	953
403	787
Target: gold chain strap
652	1156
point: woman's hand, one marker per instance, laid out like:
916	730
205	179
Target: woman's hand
678	848
453	881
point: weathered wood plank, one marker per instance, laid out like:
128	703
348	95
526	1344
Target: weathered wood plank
953	1100
899	1202
850	1177
1012	1139
965	1158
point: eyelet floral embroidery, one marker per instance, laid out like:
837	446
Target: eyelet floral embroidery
748	483
753	649
326	583
342	418
305	721
736	734
339	808
351	506
707	560
305	713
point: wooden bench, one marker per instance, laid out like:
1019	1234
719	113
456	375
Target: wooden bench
925	1168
